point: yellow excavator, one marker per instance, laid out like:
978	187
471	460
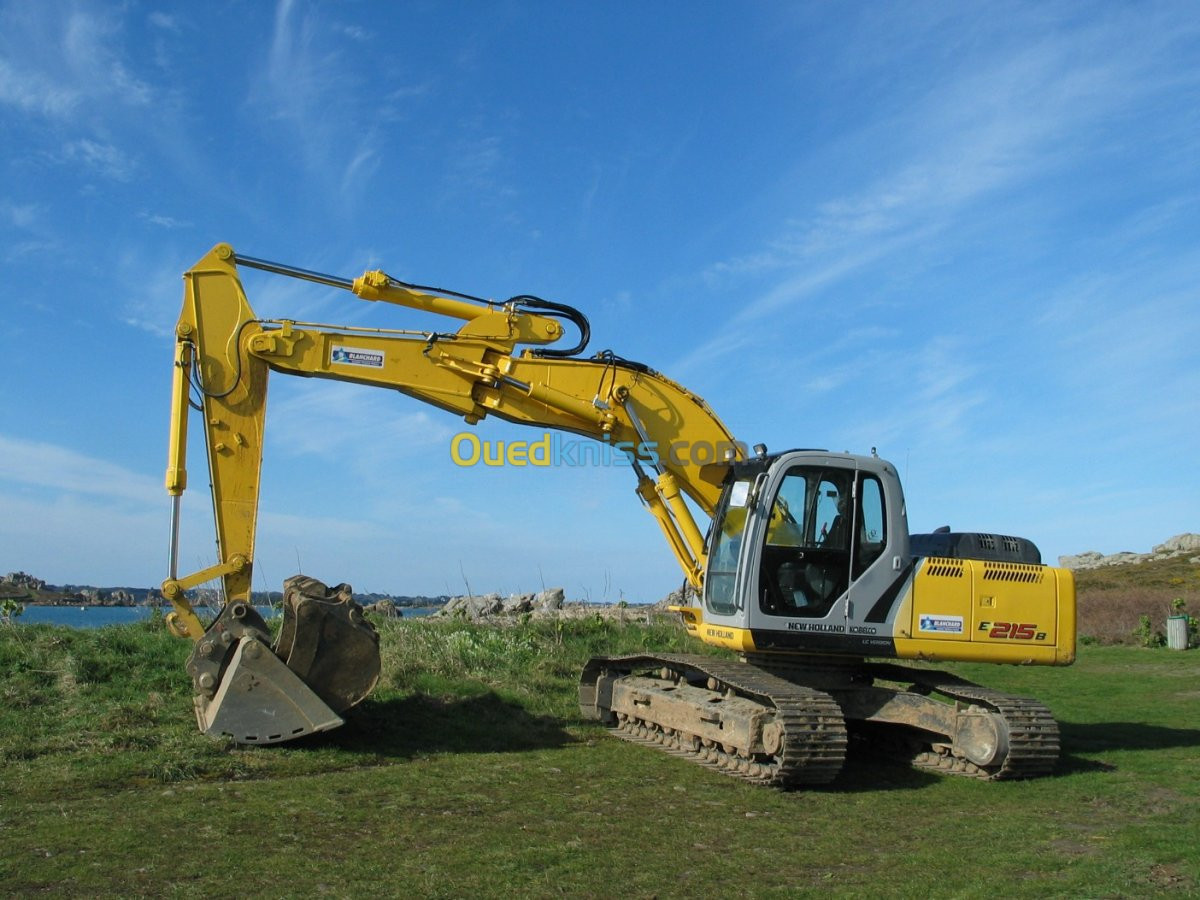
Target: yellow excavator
806	568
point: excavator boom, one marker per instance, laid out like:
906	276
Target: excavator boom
497	363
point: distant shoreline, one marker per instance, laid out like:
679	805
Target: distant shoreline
129	604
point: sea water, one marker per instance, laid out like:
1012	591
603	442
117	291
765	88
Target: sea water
99	616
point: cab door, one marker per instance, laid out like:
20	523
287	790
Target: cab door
803	536
877	570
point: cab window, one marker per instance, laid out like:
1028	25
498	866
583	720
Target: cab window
721	579
806	560
872	531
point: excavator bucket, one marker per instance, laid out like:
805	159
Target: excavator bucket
327	642
325	662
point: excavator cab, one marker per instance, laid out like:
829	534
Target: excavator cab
798	538
811	553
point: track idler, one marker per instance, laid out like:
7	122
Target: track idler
325	662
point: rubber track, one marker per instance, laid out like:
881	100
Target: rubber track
814	732
1032	731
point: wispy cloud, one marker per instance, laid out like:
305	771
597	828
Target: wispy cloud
373	442
104	159
148	290
361	168
19	215
477	169
74	538
69	64
35	92
169	222
87	74
355	33
91	45
65	471
32	234
310	86
995	125
165	21
356	425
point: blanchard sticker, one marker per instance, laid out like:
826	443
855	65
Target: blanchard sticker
941	624
356	356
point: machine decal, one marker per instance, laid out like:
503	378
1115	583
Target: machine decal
831	628
356	356
1012	631
941	624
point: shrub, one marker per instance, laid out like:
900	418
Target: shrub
10	609
1147	635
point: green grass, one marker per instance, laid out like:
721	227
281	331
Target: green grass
469	772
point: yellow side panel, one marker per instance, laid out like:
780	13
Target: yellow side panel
1022	654
738	639
1014	603
941	602
1066	617
990	612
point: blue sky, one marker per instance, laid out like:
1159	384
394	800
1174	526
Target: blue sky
967	234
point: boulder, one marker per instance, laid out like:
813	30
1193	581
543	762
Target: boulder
385	608
1181	543
472	607
684	596
517	604
550	600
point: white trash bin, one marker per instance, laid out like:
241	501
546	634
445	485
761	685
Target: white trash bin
1177	632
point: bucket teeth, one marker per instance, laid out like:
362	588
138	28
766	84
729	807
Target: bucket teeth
261	701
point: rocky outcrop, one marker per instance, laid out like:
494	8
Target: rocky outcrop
1180	545
98	597
26	581
547	604
544	604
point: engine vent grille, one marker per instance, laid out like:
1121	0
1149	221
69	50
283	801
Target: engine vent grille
939	567
1018	572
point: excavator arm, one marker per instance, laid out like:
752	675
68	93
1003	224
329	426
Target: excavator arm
498	362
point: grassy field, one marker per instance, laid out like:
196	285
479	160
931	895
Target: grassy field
469	772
